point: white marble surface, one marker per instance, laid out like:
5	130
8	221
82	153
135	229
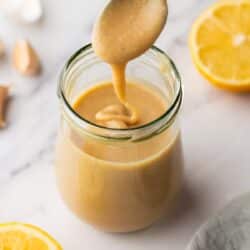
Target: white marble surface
215	127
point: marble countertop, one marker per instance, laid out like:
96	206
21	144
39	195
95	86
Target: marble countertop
215	127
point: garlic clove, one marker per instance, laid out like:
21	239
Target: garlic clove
22	10
4	93
2	49
31	10
25	59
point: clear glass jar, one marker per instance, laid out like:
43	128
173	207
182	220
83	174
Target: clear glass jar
136	180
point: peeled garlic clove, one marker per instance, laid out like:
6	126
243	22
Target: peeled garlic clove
4	92
116	124
31	10
25	59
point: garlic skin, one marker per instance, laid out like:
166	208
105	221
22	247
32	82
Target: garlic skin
4	94
25	59
28	11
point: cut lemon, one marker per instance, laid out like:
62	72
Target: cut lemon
17	236
220	44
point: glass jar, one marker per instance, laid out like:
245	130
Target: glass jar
119	180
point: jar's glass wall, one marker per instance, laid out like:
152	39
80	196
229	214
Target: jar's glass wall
123	180
152	69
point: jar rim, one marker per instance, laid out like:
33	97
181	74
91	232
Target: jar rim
114	133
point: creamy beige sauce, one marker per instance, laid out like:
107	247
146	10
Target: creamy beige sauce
121	186
102	95
124	31
116	117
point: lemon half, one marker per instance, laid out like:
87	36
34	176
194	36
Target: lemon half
220	44
18	236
